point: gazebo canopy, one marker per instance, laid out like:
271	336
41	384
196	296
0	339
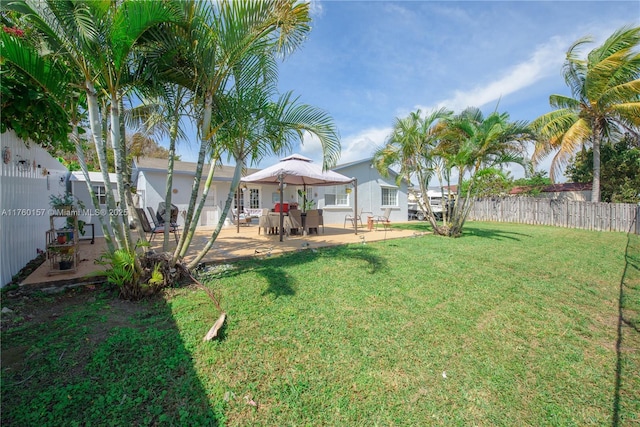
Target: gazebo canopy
297	170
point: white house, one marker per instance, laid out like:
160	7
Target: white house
375	194
28	177
150	179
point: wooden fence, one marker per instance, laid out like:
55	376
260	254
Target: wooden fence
623	217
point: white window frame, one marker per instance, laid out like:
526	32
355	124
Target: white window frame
339	192
254	196
101	193
384	189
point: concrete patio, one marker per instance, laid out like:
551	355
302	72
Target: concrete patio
229	246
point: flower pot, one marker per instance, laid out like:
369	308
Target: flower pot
62	239
66	265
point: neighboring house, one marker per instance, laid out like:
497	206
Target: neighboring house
375	194
567	191
28	177
149	177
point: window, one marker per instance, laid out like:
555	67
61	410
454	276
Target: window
275	197
336	196
211	197
254	198
100	193
235	199
389	196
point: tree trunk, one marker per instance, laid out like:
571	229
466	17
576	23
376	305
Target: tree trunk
234	186
595	186
120	167
92	194
96	133
182	248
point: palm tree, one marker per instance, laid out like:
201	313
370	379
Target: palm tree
411	148
605	101
95	41
470	144
222	36
253	126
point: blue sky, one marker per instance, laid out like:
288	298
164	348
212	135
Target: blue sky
368	62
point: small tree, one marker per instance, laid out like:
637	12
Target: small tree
619	170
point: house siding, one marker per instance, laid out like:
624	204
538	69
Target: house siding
370	184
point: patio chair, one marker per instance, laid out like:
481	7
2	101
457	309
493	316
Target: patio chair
173	215
264	221
156	229
158	219
321	219
294	222
383	219
353	218
312	221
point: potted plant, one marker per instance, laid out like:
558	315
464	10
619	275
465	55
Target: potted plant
62	202
66	259
307	204
70	225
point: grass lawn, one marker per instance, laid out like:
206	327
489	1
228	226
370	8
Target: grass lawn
507	325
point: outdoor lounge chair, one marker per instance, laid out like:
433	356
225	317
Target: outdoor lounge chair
243	218
383	219
156	229
158	219
173	215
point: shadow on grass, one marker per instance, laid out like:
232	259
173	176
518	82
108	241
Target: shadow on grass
627	380
88	358
274	269
493	233
468	230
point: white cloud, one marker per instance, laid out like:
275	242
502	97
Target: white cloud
316	9
363	144
546	61
354	147
311	147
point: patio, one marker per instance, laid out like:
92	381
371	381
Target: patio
229	246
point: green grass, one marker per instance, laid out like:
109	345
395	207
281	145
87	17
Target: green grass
525	322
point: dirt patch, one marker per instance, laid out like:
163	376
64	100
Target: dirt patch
20	307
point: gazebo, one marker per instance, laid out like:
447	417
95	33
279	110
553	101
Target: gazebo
299	170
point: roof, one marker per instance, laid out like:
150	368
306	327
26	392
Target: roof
93	177
346	165
221	173
369	160
555	188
